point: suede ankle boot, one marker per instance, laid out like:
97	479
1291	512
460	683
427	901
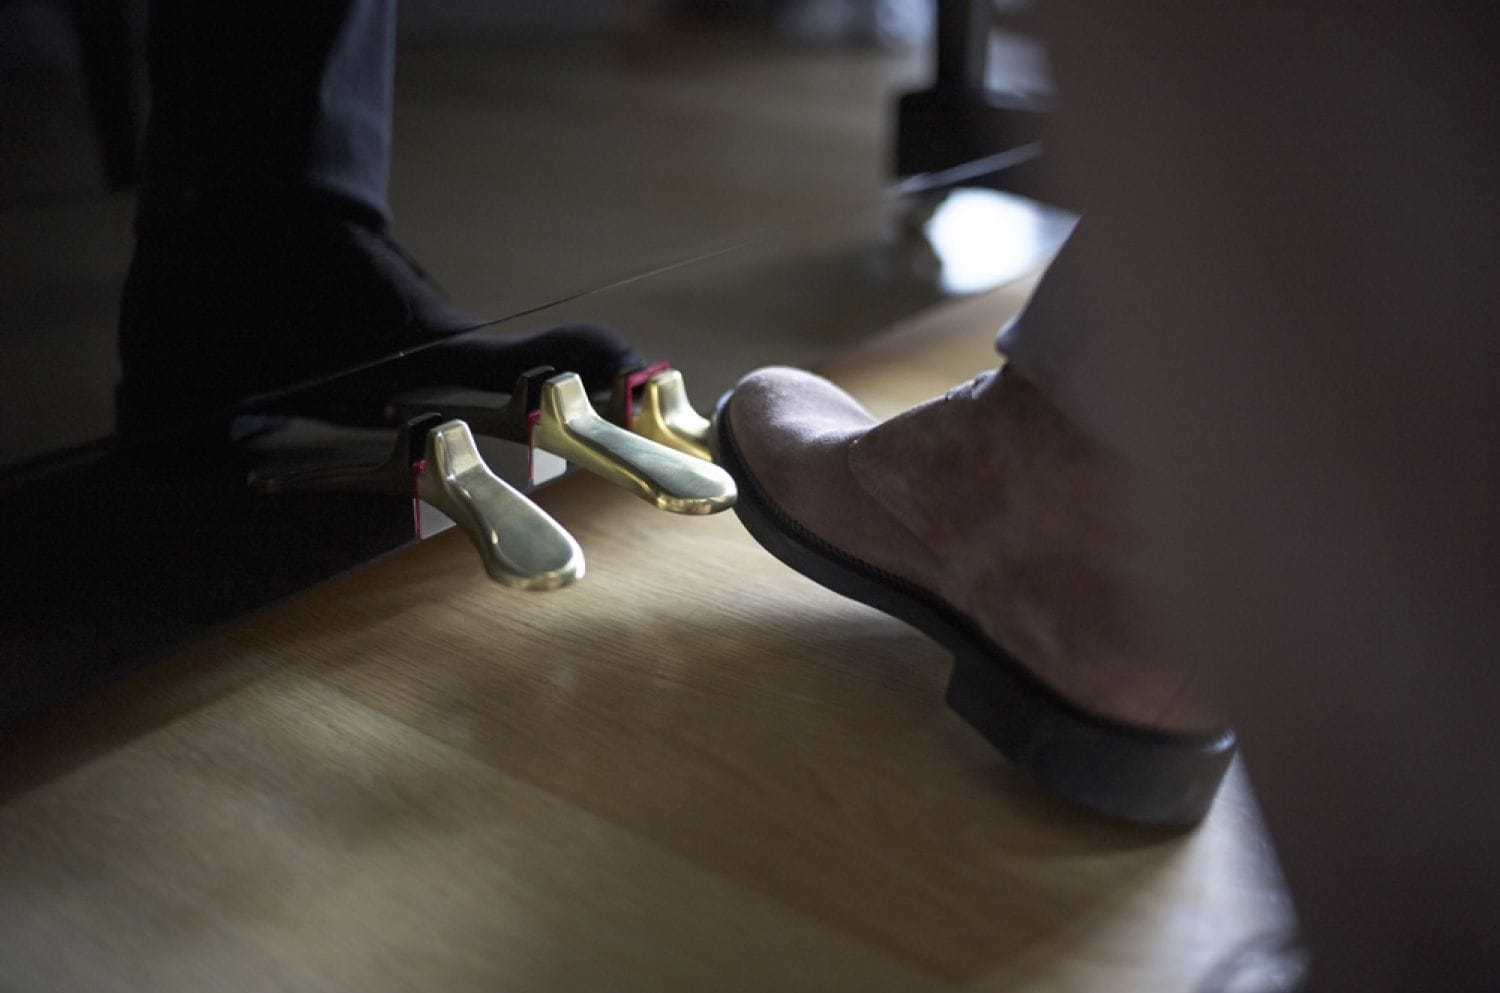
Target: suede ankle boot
987	521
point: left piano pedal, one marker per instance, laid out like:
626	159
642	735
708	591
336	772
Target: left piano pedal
436	461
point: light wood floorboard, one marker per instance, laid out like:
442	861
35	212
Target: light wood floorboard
692	771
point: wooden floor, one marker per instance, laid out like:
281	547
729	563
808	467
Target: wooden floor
693	771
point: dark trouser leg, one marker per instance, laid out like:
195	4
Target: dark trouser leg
261	259
256	104
104	40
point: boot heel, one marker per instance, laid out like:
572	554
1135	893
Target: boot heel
1133	773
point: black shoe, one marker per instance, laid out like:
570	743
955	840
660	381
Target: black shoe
219	308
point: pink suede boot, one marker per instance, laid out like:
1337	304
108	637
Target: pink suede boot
985	520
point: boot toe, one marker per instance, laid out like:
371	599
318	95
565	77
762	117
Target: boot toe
778	411
791	430
788	435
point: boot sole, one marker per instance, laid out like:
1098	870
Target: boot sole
1138	774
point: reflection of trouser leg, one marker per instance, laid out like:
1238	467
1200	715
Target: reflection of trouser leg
278	100
108	72
1287	280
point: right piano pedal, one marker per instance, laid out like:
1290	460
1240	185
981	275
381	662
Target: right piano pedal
652	401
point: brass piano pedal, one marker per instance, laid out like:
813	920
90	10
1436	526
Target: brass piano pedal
551	412
667	478
657	408
436	461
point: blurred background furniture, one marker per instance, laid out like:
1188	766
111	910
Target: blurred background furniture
991	91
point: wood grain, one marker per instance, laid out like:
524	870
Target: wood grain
692	771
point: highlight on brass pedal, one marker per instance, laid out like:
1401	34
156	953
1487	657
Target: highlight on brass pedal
570	427
435	460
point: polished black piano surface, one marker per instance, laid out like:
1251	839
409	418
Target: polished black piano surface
715	200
